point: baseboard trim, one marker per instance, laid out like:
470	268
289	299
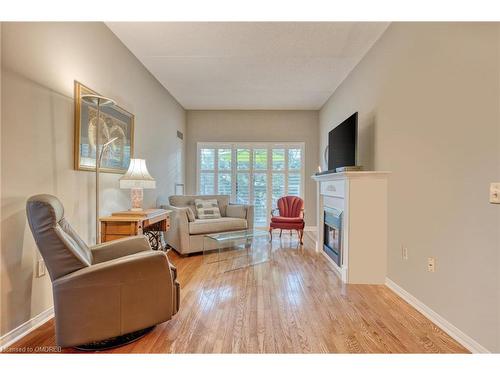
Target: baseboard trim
19	332
465	340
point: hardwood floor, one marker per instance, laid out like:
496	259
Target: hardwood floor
294	304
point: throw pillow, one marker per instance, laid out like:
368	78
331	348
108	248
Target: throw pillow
190	214
207	208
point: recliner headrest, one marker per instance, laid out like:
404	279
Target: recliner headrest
52	204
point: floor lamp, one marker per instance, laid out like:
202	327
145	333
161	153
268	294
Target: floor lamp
98	101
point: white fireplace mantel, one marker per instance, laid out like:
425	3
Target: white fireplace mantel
362	196
354	174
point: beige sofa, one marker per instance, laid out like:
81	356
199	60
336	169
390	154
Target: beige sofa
187	230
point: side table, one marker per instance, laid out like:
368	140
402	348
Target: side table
151	222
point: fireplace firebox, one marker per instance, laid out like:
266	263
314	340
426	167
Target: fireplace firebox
332	239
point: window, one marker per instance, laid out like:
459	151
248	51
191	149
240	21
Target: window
207	168
257	174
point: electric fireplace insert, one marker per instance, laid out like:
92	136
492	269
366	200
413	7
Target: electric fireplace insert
332	239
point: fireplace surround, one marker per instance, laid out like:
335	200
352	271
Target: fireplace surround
352	224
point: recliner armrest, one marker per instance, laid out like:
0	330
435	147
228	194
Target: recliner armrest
129	269
173	269
119	248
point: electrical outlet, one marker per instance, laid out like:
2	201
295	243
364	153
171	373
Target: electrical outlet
495	192
431	264
40	268
404	252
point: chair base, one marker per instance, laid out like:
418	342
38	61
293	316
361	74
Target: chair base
300	234
114	342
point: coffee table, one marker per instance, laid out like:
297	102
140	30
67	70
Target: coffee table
234	250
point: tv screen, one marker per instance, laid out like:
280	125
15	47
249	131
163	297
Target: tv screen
342	144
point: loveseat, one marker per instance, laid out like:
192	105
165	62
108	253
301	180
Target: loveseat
187	230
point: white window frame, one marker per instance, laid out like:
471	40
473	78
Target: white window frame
251	145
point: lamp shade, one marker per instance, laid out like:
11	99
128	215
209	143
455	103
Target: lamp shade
137	176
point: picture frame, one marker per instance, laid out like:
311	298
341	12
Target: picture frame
115	122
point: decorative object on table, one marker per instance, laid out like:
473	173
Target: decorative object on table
291	216
114	122
136	179
92	100
106	280
207	208
151	222
179	189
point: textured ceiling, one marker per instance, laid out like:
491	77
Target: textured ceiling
249	65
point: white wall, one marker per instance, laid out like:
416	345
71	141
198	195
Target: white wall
428	101
256	126
40	61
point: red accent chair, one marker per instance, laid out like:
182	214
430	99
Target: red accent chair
291	216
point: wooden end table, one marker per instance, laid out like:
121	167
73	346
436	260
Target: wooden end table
151	222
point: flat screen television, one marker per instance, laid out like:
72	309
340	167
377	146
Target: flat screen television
342	142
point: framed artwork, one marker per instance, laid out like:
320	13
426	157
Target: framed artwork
115	122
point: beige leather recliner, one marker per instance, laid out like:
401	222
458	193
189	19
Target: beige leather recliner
102	291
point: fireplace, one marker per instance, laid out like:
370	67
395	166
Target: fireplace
332	239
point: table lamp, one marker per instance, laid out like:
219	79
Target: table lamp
137	178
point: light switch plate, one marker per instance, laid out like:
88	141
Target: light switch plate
495	192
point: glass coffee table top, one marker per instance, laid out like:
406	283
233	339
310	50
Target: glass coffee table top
237	249
236	235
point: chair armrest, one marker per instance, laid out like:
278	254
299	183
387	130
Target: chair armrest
302	212
178	234
250	215
119	248
241	211
172	268
237	210
181	211
125	270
